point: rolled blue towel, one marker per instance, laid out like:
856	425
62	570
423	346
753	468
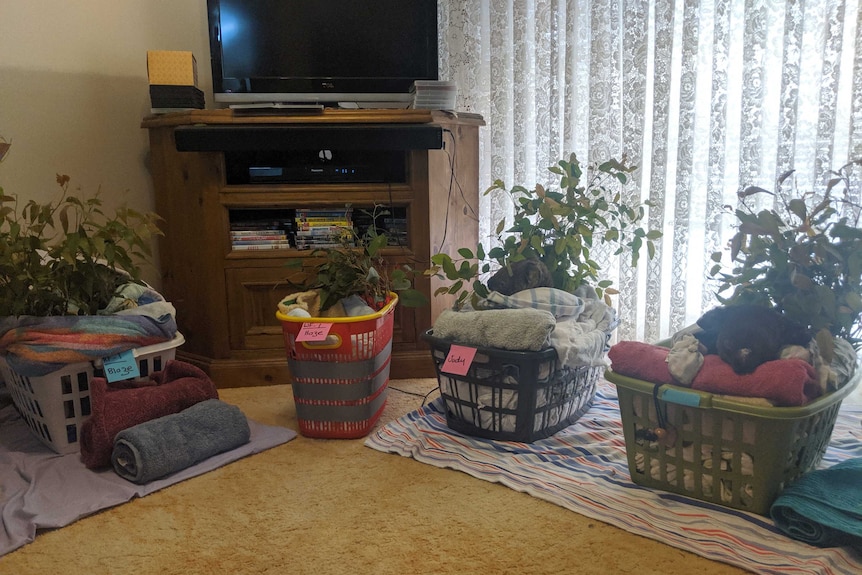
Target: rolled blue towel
823	507
168	444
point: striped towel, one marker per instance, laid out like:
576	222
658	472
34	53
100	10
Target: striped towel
584	468
558	302
36	346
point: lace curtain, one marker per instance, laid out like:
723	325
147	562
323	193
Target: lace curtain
707	97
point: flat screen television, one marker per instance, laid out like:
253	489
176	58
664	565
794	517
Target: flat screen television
321	51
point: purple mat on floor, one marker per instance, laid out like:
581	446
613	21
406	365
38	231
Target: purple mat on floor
40	489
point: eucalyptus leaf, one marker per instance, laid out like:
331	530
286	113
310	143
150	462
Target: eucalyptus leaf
88	253
358	267
559	227
803	258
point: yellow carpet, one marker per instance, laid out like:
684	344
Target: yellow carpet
336	507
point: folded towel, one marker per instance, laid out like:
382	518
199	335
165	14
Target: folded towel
512	329
584	323
785	382
168	444
579	342
355	306
116	407
307	301
823	507
641	360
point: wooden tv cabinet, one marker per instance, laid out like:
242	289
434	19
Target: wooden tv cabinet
212	167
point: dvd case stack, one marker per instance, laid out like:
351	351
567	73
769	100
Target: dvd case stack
396	230
261	234
434	95
324	228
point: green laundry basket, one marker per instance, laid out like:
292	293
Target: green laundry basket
726	451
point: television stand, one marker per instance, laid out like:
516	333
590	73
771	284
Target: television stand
226	296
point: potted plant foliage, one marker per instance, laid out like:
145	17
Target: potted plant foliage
539	353
68	257
802	257
357	267
557	227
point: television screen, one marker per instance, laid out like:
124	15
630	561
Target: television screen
321	51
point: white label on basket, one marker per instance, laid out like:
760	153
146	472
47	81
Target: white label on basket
459	359
314	332
121	366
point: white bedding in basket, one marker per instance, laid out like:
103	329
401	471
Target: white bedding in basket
583	322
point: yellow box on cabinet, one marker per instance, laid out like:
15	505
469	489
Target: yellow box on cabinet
172	68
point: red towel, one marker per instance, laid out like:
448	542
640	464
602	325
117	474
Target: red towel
785	382
641	360
116	407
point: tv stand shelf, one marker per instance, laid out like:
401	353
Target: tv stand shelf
226	298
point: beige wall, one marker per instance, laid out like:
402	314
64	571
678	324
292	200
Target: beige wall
73	91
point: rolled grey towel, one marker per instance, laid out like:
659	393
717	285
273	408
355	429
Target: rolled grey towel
168	444
524	329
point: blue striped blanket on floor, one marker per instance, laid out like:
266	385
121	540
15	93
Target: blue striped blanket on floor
583	468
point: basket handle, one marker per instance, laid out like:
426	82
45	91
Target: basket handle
680	397
332	341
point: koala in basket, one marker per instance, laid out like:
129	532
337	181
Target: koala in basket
745	336
519	276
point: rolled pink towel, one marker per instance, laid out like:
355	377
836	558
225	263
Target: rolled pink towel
116	407
785	382
641	360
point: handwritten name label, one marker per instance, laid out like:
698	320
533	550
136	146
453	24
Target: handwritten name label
121	366
459	360
314	332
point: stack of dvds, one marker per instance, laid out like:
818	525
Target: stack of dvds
324	228
261	234
396	229
392	222
434	95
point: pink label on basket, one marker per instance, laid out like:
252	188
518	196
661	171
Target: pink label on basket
121	366
314	332
459	359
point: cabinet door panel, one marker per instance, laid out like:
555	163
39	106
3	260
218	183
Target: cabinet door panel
253	295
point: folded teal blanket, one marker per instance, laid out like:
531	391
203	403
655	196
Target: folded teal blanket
169	444
823	507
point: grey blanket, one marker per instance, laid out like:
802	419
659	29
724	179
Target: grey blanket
524	329
168	444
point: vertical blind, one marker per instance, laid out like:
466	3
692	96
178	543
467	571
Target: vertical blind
706	97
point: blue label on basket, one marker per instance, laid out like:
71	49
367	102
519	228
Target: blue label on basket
121	366
681	397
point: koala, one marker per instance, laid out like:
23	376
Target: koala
745	336
521	275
